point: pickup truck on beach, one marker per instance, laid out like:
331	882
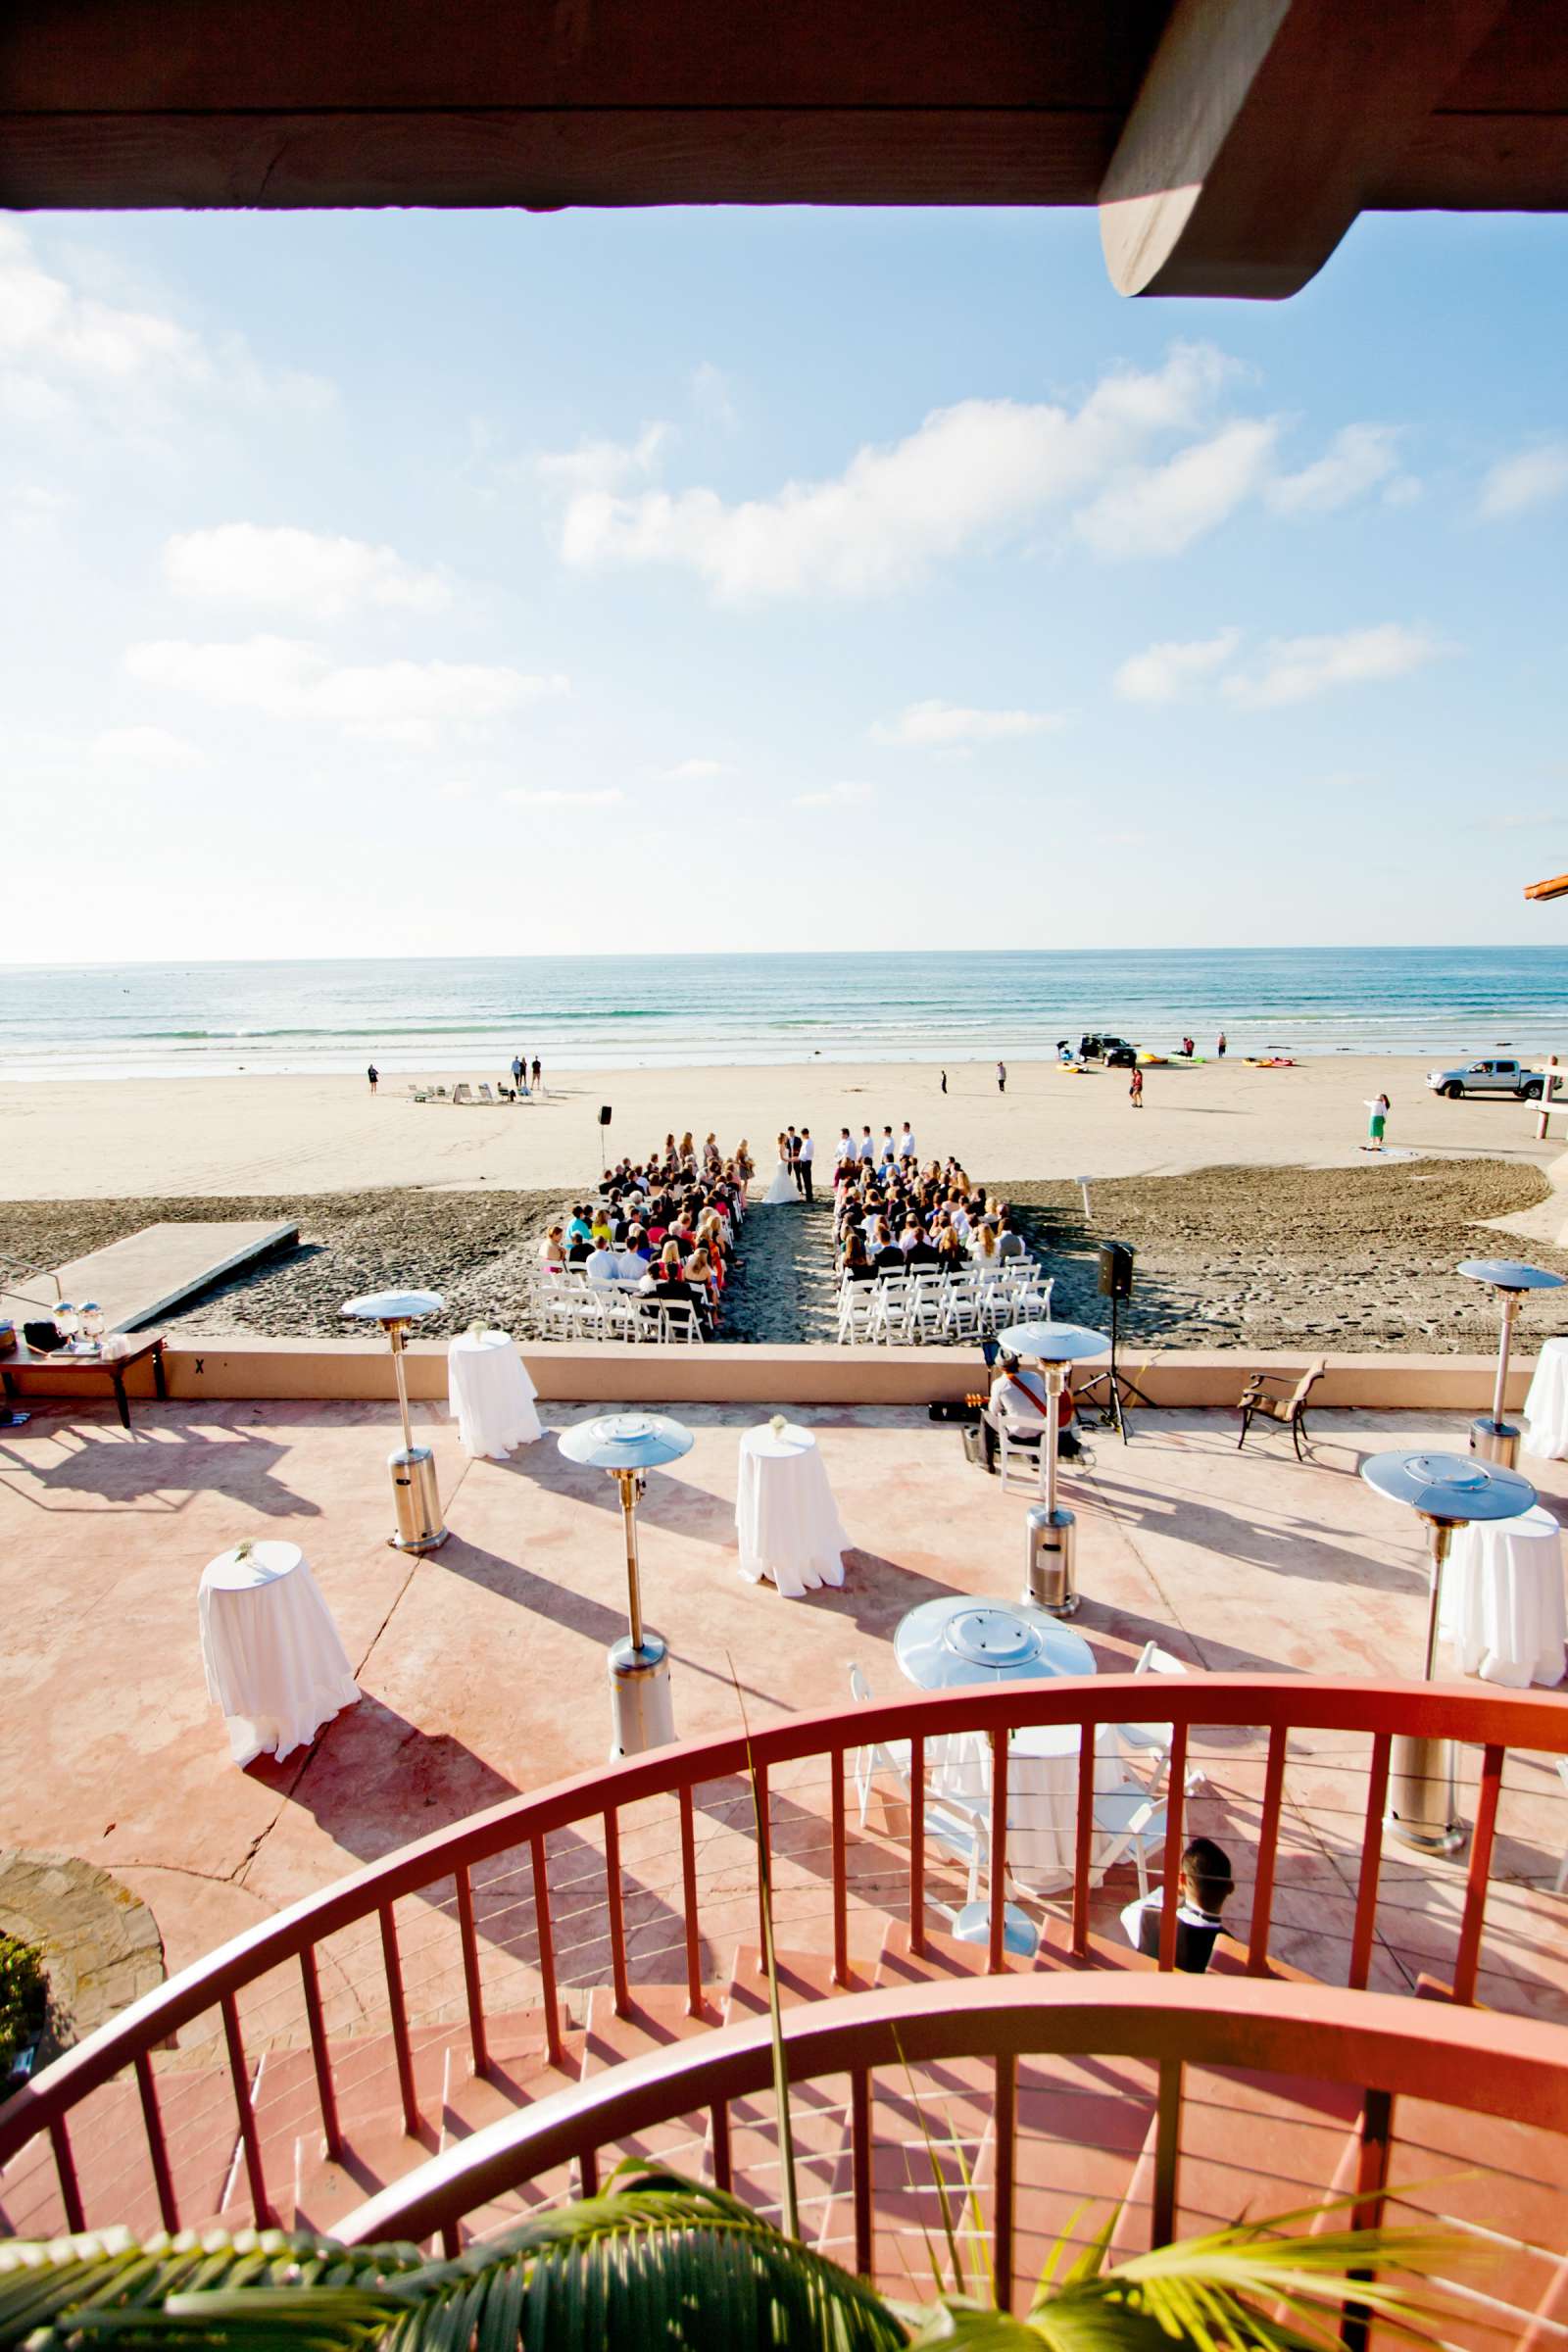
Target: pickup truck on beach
1493	1077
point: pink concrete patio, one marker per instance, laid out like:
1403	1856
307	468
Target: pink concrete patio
482	1665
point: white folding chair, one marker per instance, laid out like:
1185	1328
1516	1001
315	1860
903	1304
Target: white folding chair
961	1307
1152	1741
678	1326
922	1312
891	1299
1130	1821
856	1310
889	1756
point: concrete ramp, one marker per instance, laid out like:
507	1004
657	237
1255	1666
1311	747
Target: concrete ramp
140	1278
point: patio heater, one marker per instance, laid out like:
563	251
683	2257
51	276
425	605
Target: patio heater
1491	1437
415	1498
1049	1532
628	1445
1447	1491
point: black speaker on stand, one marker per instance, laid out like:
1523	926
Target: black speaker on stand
1115	1284
604	1122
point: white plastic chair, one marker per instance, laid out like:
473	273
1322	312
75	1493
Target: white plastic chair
1152	1741
1130	1821
889	1756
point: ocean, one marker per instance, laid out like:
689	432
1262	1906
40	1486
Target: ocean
608	1012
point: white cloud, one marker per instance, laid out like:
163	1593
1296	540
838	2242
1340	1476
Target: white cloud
1297	668
980	472
1159	673
691	772
836	796
63	345
1159	510
306	572
285	677
146	747
523	797
1356	461
1527	479
938	725
602	466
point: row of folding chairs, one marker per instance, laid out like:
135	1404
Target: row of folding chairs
931	1305
567	1306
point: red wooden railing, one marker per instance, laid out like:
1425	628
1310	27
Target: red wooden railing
1289	2041
335	1966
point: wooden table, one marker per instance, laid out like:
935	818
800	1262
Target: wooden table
63	1365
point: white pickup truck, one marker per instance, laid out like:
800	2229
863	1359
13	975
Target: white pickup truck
1495	1077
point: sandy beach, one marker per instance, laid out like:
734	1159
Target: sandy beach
105	1139
1258	1218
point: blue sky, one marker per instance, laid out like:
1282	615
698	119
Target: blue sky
504	584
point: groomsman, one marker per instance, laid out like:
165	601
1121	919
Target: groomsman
887	1150
906	1145
806	1152
868	1148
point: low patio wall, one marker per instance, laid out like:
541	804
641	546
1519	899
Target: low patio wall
780	1376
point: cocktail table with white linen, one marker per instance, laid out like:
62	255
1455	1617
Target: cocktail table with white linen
785	1514
1546	1406
274	1658
489	1389
1042	1793
1502	1599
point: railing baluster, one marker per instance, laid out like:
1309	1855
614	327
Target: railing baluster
1468	1961
724	2166
918	1843
765	1859
688	1876
1175	1796
998	1958
157	2148
239	2074
588	2172
1371	2179
1001	2217
1083	1854
451	2239
472	1982
1366	1892
860	2165
403	2049
1268	1839
65	2173
1167	2147
841	1865
618	1915
326	2097
547	1948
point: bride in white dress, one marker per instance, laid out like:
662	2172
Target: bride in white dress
782	1188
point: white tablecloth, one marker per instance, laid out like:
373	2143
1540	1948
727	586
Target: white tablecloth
275	1663
1502	1599
1545	1429
785	1514
1042	1791
489	1389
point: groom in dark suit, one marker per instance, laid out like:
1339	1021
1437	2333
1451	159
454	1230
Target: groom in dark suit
792	1144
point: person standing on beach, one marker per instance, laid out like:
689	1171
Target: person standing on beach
536	1073
1134	1089
867	1147
802	1164
1002	1077
944	1082
1377	1122
373	1073
517	1071
1219	1046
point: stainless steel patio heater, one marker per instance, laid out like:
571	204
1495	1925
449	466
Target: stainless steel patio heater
1491	1437
1049	1575
1447	1491
415	1497
628	1445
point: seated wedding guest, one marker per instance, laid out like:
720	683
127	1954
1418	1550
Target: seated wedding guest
920	1251
950	1249
553	1250
982	1244
857	1266
700	1282
665	1274
1204	1889
1009	1242
579	1250
600	1230
602	1263
886	1254
578	1228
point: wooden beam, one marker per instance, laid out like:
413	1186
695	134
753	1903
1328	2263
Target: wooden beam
1260	130
1556	888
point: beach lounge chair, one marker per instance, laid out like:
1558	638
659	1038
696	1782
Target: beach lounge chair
461	1093
485	1096
1289	1411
